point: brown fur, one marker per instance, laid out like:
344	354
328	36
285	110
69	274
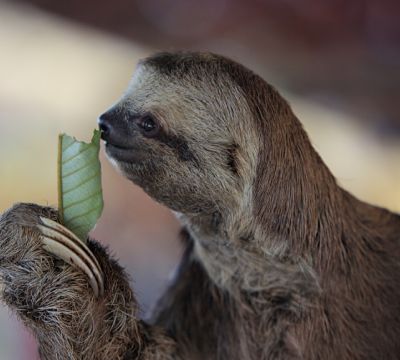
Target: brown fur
56	303
280	262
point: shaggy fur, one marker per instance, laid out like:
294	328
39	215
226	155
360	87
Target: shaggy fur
280	262
57	304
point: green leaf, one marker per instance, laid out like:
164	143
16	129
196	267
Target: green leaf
80	197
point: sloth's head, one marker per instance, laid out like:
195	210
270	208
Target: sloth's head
186	130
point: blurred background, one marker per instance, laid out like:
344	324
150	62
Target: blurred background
62	63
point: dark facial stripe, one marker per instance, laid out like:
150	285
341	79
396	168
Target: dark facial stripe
179	144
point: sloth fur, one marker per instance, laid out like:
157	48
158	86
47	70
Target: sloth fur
280	262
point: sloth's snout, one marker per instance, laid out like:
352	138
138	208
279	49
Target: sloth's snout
119	136
114	130
104	126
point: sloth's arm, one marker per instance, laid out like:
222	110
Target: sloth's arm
55	300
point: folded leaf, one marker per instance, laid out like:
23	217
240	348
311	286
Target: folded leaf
80	197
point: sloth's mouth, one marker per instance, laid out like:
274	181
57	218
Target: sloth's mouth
122	153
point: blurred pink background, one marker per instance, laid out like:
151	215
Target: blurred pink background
63	63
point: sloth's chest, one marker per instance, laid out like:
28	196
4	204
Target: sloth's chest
230	267
218	258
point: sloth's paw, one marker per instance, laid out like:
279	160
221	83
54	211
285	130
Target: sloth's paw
32	243
64	244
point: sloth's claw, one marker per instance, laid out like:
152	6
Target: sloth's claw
61	242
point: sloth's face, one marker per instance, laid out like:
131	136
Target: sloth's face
178	139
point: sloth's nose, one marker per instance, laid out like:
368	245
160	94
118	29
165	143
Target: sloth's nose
105	126
114	130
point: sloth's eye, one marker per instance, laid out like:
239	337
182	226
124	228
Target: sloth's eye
149	126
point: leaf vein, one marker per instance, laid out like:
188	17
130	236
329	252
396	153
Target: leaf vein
82	167
69	145
82	200
76	155
85	214
82	183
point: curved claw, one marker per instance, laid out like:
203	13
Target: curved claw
64	244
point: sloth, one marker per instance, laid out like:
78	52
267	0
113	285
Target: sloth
280	262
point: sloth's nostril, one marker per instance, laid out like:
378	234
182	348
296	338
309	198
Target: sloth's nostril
104	126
